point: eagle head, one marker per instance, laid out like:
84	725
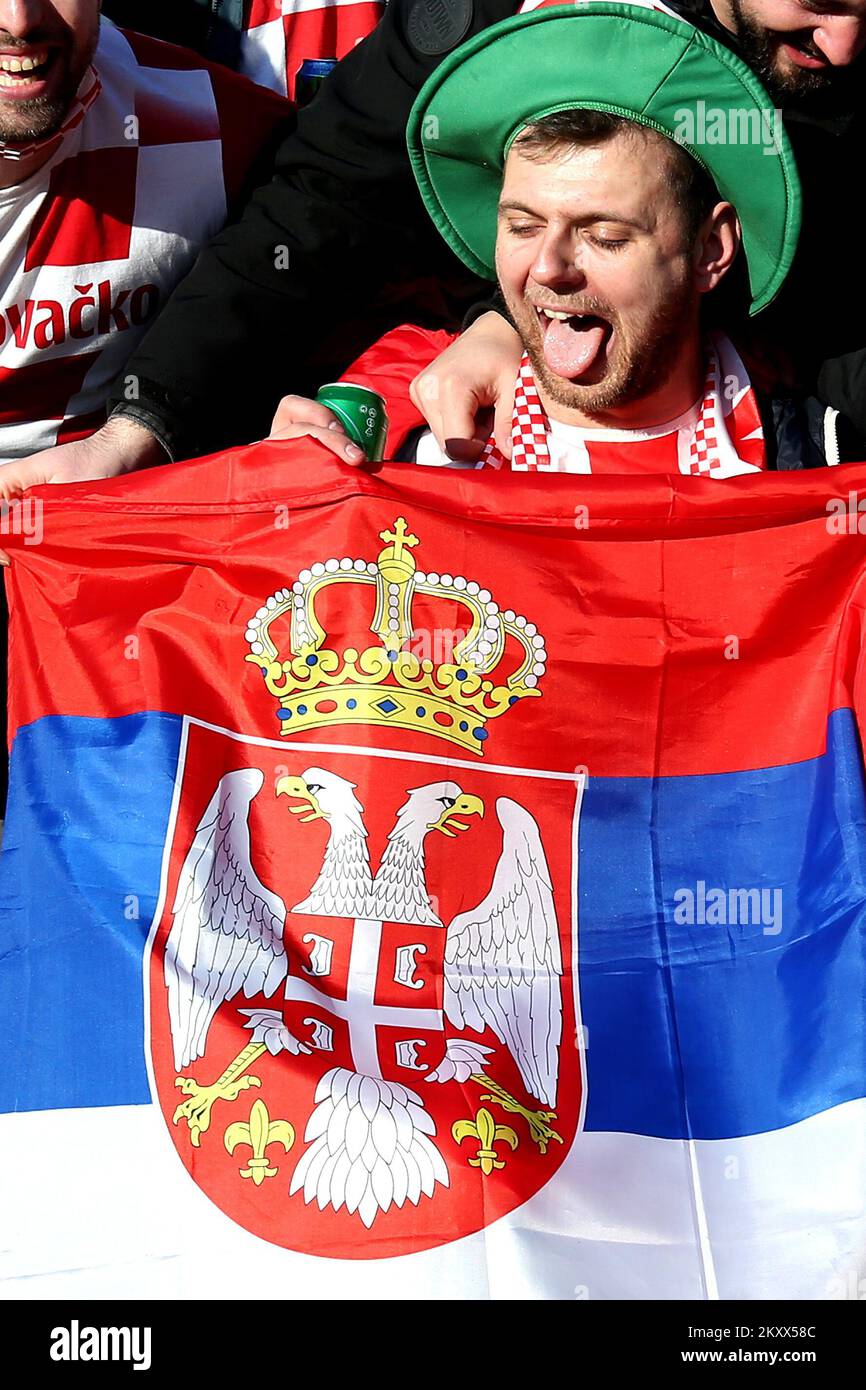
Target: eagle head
324	796
436	806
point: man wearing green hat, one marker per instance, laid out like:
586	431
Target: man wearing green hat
809	56
545	151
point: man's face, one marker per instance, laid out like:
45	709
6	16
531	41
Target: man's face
797	47
593	262
45	48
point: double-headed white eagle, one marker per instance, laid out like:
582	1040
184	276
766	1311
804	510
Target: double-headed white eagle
370	1139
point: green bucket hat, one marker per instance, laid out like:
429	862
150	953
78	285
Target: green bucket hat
629	60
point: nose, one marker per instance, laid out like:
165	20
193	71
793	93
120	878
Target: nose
841	38
20	17
557	260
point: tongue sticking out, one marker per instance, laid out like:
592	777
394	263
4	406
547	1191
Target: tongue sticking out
571	346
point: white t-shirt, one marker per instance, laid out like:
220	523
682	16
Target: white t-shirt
570	445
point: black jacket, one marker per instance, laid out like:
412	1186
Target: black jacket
212	28
328	255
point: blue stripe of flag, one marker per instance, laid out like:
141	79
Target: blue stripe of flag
693	1028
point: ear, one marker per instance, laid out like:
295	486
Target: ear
716	247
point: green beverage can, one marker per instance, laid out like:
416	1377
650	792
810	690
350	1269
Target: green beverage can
362	414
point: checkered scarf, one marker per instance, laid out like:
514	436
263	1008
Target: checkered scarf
716	437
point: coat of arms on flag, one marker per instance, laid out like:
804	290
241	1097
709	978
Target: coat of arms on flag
362	977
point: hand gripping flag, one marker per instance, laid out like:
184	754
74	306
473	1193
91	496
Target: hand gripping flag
414	891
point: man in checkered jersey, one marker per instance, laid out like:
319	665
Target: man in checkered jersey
120	156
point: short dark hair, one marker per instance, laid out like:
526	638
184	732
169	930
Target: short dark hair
693	189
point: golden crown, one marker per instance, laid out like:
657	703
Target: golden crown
394	681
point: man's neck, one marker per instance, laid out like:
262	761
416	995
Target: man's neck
15	171
723	10
712	13
681	389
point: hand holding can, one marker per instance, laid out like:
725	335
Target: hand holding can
362	414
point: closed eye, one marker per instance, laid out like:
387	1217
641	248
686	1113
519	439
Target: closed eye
607	243
523	229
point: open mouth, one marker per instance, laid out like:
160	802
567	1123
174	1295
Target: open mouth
465	805
297	787
804	57
26	72
574	343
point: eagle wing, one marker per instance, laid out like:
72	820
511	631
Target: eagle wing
227	932
503	962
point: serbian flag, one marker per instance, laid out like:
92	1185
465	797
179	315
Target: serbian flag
421	885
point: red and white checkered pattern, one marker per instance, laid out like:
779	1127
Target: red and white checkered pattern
722	437
704	456
529	427
93	244
703	450
281	34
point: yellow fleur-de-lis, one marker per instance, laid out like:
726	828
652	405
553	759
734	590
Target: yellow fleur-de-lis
259	1133
485	1129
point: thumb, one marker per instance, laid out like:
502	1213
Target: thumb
10	499
11	483
456	418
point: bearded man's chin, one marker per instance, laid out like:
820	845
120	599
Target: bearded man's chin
39	123
785	81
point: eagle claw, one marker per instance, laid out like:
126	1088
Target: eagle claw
197	1110
538	1120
